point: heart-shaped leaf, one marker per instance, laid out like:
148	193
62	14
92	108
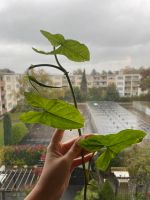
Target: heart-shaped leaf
55	113
73	50
113	144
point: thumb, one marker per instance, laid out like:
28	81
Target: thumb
74	151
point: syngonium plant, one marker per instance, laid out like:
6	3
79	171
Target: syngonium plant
62	115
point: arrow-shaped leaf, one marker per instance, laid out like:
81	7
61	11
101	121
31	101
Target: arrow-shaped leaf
114	144
73	50
55	113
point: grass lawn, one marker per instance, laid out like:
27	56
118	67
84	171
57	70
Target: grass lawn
14	118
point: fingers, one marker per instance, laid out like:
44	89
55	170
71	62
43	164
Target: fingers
56	138
73	151
67	145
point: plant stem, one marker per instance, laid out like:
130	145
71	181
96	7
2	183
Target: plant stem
79	130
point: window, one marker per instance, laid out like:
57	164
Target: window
8	87
8	78
120	77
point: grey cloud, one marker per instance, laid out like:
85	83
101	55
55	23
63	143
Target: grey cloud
114	30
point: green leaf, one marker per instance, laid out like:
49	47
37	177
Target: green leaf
92	144
55	113
73	50
114	144
54	39
41	52
104	159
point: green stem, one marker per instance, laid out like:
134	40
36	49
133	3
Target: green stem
79	130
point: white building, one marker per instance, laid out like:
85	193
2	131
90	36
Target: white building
128	84
9	88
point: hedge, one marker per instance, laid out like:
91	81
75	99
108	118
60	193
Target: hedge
21	155
19	131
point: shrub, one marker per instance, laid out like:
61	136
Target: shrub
21	155
19	130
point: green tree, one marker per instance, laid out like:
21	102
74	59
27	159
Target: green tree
68	96
94	72
145	79
112	93
77	72
43	77
7	128
96	94
19	130
145	84
83	86
138	162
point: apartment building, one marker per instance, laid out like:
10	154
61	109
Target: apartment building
128	84
9	88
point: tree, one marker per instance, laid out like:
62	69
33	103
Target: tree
7	129
83	86
96	94
94	72
25	86
19	130
129	70
138	162
68	96
112	93
42	76
77	72
145	79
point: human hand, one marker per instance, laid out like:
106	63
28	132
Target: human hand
61	159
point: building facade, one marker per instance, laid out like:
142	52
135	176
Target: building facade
128	84
9	90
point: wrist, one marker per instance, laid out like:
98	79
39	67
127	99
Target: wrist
47	192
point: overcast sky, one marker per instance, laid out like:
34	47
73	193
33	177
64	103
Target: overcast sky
116	32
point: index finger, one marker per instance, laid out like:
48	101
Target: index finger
67	145
56	138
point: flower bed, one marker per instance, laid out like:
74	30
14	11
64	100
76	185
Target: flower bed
21	155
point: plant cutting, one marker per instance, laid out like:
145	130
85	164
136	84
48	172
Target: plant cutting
62	115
